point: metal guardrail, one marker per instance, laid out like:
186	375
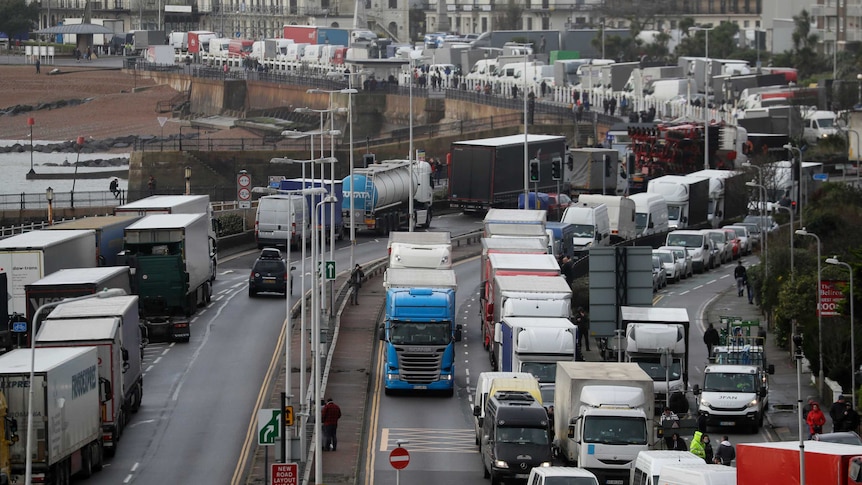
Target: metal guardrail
62	200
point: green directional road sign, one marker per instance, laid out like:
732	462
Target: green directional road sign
268	426
330	270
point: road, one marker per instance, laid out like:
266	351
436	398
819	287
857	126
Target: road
199	397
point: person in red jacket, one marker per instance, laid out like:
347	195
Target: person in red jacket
329	416
815	420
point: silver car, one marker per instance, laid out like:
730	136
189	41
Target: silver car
684	259
672	266
724	252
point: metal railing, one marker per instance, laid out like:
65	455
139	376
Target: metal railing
62	200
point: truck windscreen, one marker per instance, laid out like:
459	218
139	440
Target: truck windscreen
615	430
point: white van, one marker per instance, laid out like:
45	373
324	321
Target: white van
561	475
650	213
819	124
592	226
697	244
701	474
649	464
483	388
621	213
280	218
662	90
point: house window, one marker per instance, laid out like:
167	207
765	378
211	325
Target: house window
529	23
546	23
393	3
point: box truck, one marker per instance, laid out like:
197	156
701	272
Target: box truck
109	234
67	395
325	212
603	416
687	199
170	274
113	327
777	463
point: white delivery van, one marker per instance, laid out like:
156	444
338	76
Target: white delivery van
592	226
483	388
649	464
561	475
819	124
697	244
280	218
650	214
701	474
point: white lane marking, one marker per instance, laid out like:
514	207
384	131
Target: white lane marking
165	351
157	360
149	369
128	479
135	466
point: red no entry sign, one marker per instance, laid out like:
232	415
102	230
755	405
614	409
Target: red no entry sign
399	458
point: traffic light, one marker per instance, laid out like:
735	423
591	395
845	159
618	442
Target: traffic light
534	170
556	169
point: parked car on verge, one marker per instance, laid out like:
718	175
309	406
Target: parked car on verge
269	274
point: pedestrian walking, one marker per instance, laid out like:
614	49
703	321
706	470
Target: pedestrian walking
612	106
749	289
740	274
38	66
329	416
606	105
815	419
582	321
579	114
726	453
542	44
624	105
849	419
710	338
836	412
567	269
356	282
151	185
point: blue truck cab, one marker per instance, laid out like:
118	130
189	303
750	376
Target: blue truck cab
420	331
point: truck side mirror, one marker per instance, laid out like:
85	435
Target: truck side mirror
770	369
476	412
489	310
763	391
107	390
382	333
11	429
571	432
458	331
695	390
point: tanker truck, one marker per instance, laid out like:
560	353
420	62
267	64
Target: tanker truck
381	199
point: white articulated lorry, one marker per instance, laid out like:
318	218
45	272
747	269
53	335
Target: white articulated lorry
66	398
178	204
650	330
687	199
112	325
603	417
29	257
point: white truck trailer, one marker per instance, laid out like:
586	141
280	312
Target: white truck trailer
29	257
659	350
66	399
430	250
178	204
112	325
603	416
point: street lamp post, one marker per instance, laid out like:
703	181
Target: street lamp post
315	344
859	95
791	149
410	225
789	211
804	232
834	260
28	462
764	239
188	176
49	196
797	342
706	74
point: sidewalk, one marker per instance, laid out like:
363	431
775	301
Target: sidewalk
781	420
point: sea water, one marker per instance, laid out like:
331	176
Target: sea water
15	166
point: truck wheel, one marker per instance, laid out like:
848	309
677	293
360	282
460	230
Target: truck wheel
97	457
61	473
136	399
86	462
208	293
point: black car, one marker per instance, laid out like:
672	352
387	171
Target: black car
269	274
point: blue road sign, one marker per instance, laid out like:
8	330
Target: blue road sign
20	327
823	177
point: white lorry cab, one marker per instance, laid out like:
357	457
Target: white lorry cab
649	464
662	90
733	395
